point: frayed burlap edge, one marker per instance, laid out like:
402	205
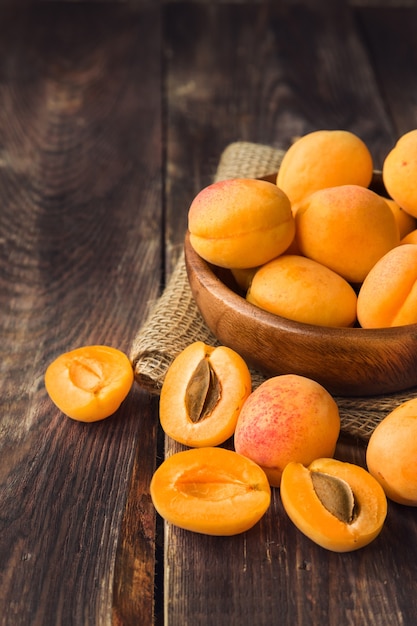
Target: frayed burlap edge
174	321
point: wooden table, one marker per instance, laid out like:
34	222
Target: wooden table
112	117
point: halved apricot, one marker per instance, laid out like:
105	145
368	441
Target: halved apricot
210	490
89	383
338	505
202	394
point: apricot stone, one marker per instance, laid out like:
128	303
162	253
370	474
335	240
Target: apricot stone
202	394
303	290
347	228
210	490
391	454
287	418
240	223
321	159
388	295
399	172
338	505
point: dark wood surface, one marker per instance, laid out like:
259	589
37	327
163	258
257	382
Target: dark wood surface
112	117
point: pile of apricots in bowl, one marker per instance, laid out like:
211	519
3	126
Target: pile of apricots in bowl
315	271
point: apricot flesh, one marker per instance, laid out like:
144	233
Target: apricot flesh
388	295
240	223
321	159
287	418
362	519
391	454
210	490
303	290
89	383
202	394
347	228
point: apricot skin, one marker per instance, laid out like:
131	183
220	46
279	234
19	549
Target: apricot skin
287	418
321	159
89	383
388	295
392	452
235	382
303	290
240	223
347	228
312	518
210	490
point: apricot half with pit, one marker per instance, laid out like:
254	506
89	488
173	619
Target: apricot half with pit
240	223
202	394
338	505
210	490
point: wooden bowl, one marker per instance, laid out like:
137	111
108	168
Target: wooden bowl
346	361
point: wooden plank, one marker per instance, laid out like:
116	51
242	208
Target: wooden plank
388	34
265	74
80	197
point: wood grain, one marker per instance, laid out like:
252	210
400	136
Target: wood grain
80	185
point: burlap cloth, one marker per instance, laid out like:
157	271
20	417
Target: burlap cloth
174	320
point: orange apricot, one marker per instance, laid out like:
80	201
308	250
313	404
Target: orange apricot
321	159
391	453
388	295
240	222
405	222
210	490
399	172
202	394
410	237
287	418
347	228
338	505
89	383
303	290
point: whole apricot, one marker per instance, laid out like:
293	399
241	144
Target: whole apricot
410	237
399	172
324	158
405	222
338	505
388	295
303	290
391	454
202	394
89	383
287	418
347	228
240	223
210	490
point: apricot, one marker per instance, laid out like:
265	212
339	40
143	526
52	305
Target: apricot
210	490
399	172
287	418
321	159
388	295
391	454
347	228
303	290
338	505
405	222
202	394
410	237
243	276
240	223
89	383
